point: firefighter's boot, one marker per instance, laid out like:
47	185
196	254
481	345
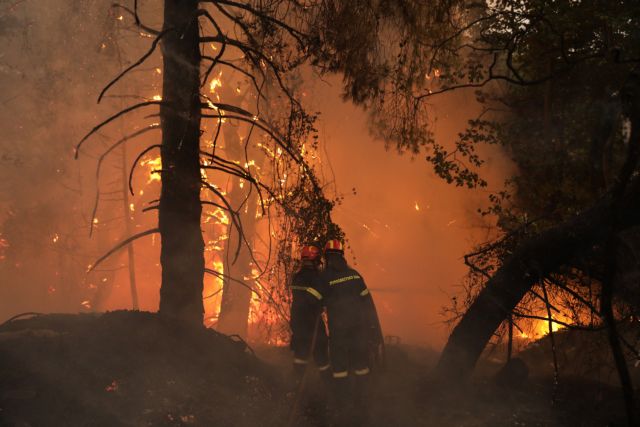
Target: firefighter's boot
361	399
341	402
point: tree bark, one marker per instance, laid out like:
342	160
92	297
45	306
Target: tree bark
182	252
236	299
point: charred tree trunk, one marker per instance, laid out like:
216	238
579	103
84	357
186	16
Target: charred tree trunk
182	253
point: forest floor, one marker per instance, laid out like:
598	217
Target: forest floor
132	369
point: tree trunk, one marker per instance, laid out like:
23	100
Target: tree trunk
236	299
182	252
533	259
538	256
128	220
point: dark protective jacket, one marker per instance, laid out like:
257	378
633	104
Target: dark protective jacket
353	322
306	318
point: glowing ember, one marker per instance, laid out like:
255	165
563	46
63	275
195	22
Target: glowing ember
154	165
217	215
55	238
542	327
157	97
417	206
215	83
112	387
86	304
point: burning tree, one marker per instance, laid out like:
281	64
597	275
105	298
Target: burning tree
208	136
569	72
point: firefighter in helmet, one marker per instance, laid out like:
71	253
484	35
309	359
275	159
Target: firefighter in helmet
353	323
308	330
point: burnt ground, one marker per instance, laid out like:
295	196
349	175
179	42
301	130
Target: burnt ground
133	369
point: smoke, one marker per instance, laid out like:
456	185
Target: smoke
407	230
55	58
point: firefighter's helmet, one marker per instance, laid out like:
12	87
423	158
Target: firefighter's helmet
334	245
310	252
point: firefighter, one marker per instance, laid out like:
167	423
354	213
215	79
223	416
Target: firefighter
308	330
349	310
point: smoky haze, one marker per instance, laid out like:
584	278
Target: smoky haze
407	230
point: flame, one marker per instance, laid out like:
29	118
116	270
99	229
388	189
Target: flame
542	327
154	165
219	215
539	328
157	97
215	83
212	285
417	206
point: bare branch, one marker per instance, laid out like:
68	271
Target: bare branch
121	245
110	119
137	63
135	162
136	17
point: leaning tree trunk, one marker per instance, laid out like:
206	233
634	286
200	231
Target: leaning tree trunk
535	258
540	255
182	252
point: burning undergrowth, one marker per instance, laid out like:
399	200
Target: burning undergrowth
128	368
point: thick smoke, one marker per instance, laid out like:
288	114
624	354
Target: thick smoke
407	229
